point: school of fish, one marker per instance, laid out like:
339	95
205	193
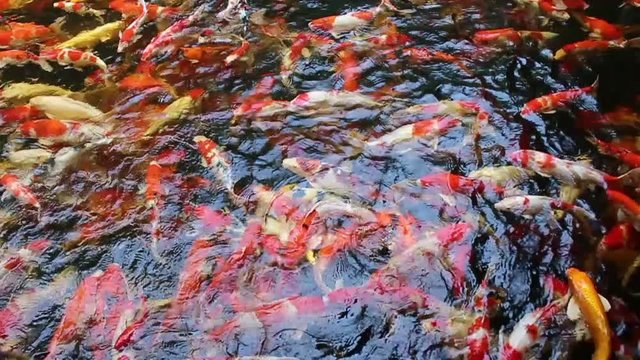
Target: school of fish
238	180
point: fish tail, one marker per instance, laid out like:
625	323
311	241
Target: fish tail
593	88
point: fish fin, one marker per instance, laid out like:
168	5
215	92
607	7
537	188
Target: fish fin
594	87
573	311
44	64
550	111
630	178
605	303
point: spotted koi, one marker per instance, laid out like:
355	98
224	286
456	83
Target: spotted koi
21	192
73	57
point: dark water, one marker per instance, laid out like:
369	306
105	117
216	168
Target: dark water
515	254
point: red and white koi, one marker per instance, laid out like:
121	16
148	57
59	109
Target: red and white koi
456	108
453	183
568	172
73	57
131	33
59	131
532	205
428	129
213	157
238	54
19	260
567	4
552	102
166	42
528	330
14	186
621	236
299	49
21	57
79	8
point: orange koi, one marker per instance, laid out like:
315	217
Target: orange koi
344	23
349	69
73	57
131	9
509	36
203	53
19	34
599	29
21	192
588	300
138	82
587	46
629	208
567	4
628	157
425	54
19	114
552	102
20	57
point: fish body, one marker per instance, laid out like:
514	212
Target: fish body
238	54
21	57
509	36
621	236
630	158
62	107
319	99
460	184
19	114
90	38
337	24
16	34
29	157
79	8
23	92
20	191
587	46
213	157
423	129
165	41
59	131
600	29
528	330
76	58
568	172
552	102
505	176
131	33
593	312
176	110
531	205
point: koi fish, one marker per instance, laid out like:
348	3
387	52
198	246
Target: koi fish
319	99
59	131
505	176
630	158
259	109
337	24
460	184
77	8
599	29
587	46
130	9
89	309
29	157
238	54
20	57
568	172
132	33
62	107
20	259
349	69
568	4
423	129
96	78
621	236
552	102
90	38
19	34
528	330
76	58
628	207
426	54
19	314
456	108
165	42
176	110
510	36
19	114
589	302
213	157
22	92
21	192
14	4
531	205
299	49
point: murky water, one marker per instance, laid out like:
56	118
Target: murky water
356	288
